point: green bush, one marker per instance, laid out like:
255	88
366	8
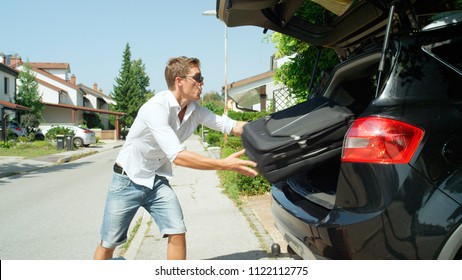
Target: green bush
11	135
29	138
246	116
58	130
7	145
214	138
41	145
22	145
234	143
27	149
236	184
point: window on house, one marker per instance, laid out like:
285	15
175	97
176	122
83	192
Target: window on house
62	98
5	85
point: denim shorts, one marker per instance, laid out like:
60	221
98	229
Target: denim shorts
125	197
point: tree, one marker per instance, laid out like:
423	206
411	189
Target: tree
296	74
123	88
130	91
213	101
142	81
29	96
212	96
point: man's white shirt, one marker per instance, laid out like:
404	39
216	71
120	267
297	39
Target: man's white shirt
157	135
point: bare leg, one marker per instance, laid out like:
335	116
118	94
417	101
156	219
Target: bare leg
103	253
176	249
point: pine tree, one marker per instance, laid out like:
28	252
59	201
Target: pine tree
130	91
142	81
122	87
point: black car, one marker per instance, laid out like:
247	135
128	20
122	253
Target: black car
396	190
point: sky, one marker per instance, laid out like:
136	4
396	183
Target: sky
91	36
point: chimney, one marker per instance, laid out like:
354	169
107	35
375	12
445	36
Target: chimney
100	90
15	60
73	79
95	86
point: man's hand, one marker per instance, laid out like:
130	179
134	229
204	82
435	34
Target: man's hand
232	162
235	163
238	129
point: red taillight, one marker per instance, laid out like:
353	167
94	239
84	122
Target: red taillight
381	140
86	131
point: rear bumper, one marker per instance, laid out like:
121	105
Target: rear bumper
299	247
388	233
89	140
309	231
339	235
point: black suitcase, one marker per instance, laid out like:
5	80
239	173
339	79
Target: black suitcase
298	138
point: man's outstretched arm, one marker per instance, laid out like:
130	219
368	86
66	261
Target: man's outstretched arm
233	162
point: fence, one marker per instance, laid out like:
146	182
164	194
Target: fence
283	99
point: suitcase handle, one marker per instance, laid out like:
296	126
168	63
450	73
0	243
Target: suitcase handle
294	121
342	115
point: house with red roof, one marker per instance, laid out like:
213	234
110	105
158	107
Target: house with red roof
8	106
67	102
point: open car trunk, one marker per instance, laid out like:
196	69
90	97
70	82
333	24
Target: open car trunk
346	26
358	31
350	84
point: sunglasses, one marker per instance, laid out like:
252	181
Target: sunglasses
198	78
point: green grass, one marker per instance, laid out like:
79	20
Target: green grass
28	149
124	248
237	185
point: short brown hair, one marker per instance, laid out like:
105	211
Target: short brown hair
179	67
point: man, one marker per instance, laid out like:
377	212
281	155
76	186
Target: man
152	145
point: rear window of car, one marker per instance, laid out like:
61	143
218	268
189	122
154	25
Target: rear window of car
428	69
448	54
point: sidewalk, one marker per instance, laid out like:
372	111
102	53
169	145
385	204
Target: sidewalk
217	229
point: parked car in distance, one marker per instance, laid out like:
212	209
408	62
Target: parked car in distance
17	129
83	137
395	192
20	131
38	134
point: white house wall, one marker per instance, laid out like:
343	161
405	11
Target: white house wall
271	86
9	97
48	95
62	74
249	86
93	101
52	96
71	91
57	115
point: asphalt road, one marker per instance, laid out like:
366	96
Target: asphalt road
55	213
